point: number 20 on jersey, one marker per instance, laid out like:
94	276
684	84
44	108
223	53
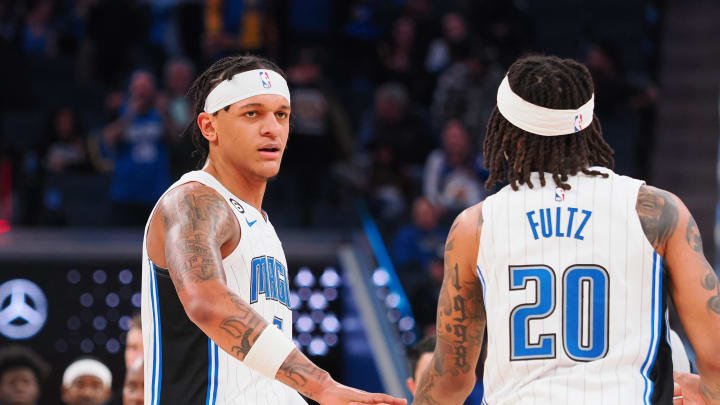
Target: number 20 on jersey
585	292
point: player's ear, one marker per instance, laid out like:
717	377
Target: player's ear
206	123
411	384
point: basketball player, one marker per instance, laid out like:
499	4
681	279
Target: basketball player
216	318
570	266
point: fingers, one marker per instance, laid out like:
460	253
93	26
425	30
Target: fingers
380	399
677	391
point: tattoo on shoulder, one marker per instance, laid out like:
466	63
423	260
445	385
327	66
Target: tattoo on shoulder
658	215
710	283
692	234
197	221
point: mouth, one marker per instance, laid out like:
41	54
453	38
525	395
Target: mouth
270	152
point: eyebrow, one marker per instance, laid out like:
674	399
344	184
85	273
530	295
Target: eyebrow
282	107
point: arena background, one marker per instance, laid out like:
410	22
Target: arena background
390	100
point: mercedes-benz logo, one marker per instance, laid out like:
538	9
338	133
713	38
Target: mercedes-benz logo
23	309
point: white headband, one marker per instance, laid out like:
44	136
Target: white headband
87	367
245	85
540	120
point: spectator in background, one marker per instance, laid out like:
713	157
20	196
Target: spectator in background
136	144
175	107
86	382
419	356
623	101
454	176
320	135
133	388
233	26
396	123
22	373
401	59
37	35
134	342
67	150
447	49
416	245
468	90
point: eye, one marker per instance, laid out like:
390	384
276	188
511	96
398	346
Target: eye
251	114
281	115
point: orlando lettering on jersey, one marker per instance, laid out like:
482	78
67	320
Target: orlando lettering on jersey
269	277
553	225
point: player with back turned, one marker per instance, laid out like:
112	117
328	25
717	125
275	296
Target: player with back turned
216	318
570	266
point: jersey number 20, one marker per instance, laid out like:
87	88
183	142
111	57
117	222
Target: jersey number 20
585	293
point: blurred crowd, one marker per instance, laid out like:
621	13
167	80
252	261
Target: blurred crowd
390	103
85	381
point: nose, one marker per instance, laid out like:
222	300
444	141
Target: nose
271	126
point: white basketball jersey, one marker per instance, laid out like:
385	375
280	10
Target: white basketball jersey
184	366
574	296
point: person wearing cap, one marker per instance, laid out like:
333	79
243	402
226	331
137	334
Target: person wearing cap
86	382
570	265
216	316
22	372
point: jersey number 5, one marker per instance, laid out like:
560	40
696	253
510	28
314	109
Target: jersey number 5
585	293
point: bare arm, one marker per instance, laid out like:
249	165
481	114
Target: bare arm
198	223
694	287
460	318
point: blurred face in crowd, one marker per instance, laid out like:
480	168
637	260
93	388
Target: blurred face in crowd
65	123
456	142
133	387
86	390
422	364
250	137
425	215
133	346
179	77
454	27
19	386
404	32
142	91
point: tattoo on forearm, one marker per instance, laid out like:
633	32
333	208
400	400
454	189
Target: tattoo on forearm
692	234
658	215
710	283
710	394
244	327
297	371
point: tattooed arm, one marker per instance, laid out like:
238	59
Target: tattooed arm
198	227
694	287
460	317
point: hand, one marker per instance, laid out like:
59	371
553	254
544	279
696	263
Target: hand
687	386
335	393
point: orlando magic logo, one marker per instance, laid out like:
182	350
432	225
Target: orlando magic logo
578	123
269	277
265	79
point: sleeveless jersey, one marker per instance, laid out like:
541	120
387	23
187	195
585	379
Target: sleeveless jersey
184	366
574	296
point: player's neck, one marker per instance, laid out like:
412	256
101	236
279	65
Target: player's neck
246	187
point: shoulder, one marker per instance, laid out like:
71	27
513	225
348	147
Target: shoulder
468	224
196	204
659	211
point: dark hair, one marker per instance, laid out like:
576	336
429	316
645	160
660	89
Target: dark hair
223	69
16	356
512	154
425	345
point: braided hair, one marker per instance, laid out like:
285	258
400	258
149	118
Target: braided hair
512	154
223	69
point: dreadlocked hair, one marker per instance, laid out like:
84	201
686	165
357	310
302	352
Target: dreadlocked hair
512	154
223	69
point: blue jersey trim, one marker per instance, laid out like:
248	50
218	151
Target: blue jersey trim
654	322
157	337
